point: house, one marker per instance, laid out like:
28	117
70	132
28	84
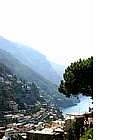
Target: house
84	120
1	79
46	134
58	124
13	105
8	83
19	82
6	138
71	117
9	132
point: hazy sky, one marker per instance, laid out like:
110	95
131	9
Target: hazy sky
60	29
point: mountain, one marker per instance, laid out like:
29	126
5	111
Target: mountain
58	68
31	58
4	70
22	71
47	89
15	93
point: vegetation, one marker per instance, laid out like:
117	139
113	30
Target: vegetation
88	135
78	78
48	90
32	111
14	91
75	131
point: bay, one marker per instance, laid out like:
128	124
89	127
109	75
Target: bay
82	107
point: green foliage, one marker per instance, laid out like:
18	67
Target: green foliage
48	121
4	70
33	110
78	78
88	135
74	131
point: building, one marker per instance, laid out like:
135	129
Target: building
9	132
58	124
1	80
46	134
6	138
71	117
13	105
2	133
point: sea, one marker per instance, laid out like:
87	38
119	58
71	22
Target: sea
82	107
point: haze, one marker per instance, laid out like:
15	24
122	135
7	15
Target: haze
61	30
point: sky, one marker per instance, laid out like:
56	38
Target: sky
59	29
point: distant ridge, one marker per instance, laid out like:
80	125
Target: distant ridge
58	68
47	88
32	59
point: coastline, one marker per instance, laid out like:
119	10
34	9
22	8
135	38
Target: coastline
81	107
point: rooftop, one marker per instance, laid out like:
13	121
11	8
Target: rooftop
48	131
75	114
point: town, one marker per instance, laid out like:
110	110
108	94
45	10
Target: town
41	122
31	106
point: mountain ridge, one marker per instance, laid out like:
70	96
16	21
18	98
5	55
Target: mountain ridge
48	89
31	58
58	68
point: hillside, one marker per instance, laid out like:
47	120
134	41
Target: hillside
15	93
58	68
47	89
31	58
